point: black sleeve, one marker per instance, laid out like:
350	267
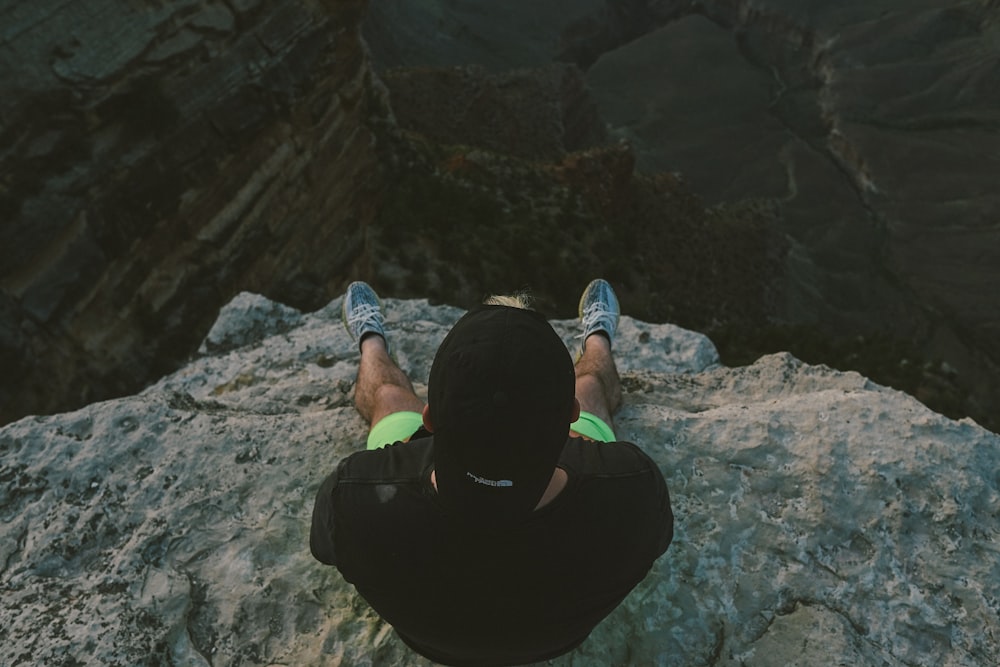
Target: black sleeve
321	538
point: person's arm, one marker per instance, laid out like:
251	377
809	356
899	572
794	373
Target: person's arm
321	536
659	517
664	516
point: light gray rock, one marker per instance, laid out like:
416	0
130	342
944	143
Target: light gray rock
248	319
821	519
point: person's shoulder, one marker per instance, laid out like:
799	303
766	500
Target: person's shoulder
605	458
398	462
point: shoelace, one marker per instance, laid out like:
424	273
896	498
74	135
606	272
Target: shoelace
365	316
593	314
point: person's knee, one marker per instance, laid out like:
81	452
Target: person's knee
390	398
593	395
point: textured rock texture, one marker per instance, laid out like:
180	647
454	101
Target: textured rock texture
156	158
821	519
540	113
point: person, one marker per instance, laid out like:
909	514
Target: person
500	522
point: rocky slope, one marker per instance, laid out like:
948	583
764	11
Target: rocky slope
821	518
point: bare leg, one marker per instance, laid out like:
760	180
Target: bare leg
598	387
382	388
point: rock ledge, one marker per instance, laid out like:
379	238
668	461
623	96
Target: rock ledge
821	519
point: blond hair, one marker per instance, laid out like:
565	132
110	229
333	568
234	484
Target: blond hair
516	300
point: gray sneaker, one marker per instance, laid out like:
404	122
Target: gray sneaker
599	310
362	312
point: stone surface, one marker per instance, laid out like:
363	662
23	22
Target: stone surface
870	126
539	114
821	518
873	123
155	159
516	34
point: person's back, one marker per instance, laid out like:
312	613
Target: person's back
462	593
489	538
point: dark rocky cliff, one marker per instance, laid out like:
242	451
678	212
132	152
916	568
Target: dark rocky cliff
870	129
156	158
809	178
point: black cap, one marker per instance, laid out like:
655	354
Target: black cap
500	392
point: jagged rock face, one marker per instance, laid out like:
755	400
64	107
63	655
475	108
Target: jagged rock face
463	222
870	125
873	124
156	158
820	518
537	114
